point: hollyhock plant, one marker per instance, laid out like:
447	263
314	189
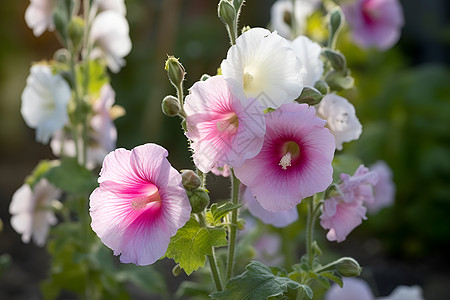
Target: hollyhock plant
263	65
295	160
341	118
224	128
39	16
102	137
140	203
31	212
111	40
345	211
309	54
384	189
282	14
277	219
44	102
375	23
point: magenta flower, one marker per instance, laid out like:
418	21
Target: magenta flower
375	23
344	212
295	160
384	189
224	128
275	218
139	205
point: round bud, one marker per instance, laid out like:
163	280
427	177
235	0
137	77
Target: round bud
175	71
76	31
199	200
322	87
170	106
190	180
348	267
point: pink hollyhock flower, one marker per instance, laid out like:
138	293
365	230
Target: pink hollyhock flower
344	212
224	171
384	189
224	128
31	213
353	289
139	205
278	218
375	23
295	160
39	16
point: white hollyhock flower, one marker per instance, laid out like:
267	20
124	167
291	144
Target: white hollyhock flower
44	102
102	136
404	292
116	5
39	16
309	54
110	36
281	16
263	65
341	119
31	215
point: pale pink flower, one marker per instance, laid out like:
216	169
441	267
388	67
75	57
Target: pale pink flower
309	54
262	65
344	212
140	203
353	289
31	211
102	133
384	189
224	128
39	16
278	218
404	292
295	160
268	247
375	23
110	36
224	171
341	118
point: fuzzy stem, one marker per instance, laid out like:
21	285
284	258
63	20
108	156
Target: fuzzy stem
233	227
215	271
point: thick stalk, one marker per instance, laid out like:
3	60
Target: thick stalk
233	227
215	271
309	232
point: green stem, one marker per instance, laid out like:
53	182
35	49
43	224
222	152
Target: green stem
309	232
233	227
293	20
215	271
232	33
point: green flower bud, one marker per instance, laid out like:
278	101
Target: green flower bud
76	31
170	106
175	71
336	59
348	267
226	12
190	180
339	80
310	96
199	200
322	87
62	55
176	271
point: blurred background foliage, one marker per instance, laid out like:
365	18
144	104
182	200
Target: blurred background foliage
402	98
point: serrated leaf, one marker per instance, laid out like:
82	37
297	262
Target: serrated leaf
258	282
334	277
69	176
192	243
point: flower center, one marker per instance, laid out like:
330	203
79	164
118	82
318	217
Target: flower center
369	12
230	123
248	79
151	195
291	152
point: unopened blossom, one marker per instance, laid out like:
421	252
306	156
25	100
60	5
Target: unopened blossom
341	118
345	211
139	205
352	289
31	212
44	102
384	189
278	219
262	65
115	5
110	36
309	54
39	15
404	292
102	132
282	16
295	160
375	23
225	128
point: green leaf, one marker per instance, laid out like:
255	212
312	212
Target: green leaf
334	277
192	243
336	59
323	281
71	177
258	282
39	171
217	212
